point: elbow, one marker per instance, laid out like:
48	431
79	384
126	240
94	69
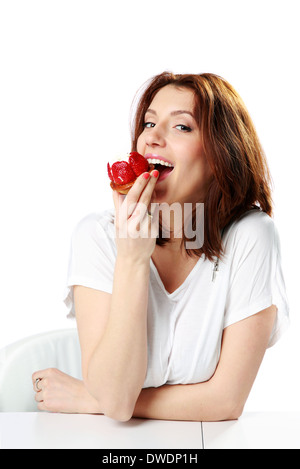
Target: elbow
118	408
223	410
233	411
114	407
120	413
228	403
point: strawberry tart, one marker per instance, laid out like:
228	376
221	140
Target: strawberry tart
124	172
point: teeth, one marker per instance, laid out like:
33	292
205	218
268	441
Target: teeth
156	161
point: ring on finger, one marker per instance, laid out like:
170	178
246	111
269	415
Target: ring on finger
36	384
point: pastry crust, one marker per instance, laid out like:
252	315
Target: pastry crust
124	189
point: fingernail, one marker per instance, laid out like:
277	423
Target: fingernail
155	173
146	175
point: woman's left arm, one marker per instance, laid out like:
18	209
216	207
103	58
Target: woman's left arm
222	397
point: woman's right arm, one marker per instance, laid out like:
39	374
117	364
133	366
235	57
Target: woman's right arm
113	328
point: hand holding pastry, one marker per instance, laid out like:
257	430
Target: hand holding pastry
123	173
136	231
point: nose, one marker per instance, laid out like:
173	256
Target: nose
156	137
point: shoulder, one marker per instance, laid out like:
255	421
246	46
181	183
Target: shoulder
254	229
254	224
96	221
95	226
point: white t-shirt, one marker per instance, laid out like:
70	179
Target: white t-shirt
185	327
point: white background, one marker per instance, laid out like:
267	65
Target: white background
69	72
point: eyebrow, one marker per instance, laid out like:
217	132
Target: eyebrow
173	113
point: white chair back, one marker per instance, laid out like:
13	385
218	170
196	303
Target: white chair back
56	349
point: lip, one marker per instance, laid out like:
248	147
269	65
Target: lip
165	174
158	157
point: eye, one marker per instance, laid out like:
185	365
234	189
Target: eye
148	125
183	128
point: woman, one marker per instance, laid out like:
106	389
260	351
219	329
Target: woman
166	331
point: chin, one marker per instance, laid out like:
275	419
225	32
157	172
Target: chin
160	196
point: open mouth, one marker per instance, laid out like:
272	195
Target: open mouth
164	167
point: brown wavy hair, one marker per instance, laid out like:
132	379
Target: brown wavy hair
241	179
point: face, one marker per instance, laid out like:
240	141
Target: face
171	135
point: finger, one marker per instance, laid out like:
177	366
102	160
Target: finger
37	386
41	406
150	223
39	396
129	204
39	374
140	209
139	213
36	379
149	189
135	192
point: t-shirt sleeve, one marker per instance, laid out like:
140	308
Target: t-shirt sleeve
91	259
256	279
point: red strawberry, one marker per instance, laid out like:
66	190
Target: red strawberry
138	163
122	173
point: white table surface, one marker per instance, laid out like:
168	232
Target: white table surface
39	430
261	430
